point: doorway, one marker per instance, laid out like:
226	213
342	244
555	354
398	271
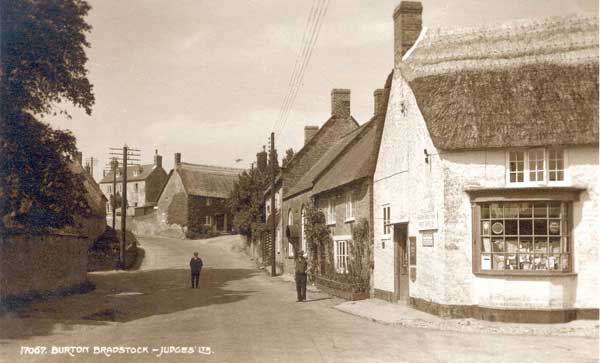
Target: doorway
401	262
220	219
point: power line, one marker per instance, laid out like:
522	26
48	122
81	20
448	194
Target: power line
306	62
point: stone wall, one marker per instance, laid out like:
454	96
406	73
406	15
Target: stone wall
172	205
34	265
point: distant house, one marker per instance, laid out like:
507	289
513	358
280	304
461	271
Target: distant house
296	194
486	189
194	197
144	183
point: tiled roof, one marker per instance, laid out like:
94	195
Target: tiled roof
134	173
523	83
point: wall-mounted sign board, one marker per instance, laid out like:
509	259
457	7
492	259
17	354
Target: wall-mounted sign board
427	239
427	220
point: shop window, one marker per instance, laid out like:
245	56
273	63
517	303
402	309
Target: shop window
527	236
349	206
387	228
341	256
536	166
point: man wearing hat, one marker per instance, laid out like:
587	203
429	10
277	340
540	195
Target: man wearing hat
195	267
301	265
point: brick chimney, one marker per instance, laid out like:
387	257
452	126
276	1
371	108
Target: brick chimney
157	159
261	160
177	159
407	27
340	102
379	102
309	133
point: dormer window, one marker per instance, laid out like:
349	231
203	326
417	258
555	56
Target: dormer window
136	172
535	166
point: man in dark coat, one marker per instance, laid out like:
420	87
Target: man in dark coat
196	267
301	266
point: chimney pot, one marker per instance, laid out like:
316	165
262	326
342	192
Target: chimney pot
157	159
177	159
340	102
309	133
407	27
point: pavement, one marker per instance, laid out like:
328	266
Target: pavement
238	315
402	315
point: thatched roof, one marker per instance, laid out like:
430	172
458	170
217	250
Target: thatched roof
94	196
207	180
524	83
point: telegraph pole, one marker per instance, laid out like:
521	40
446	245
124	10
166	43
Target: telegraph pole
114	165
129	155
273	222
124	211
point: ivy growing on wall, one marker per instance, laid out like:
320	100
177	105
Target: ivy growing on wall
320	244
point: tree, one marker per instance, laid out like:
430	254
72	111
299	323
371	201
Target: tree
246	200
42	64
289	154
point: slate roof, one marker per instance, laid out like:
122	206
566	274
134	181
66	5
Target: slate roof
523	83
207	180
143	172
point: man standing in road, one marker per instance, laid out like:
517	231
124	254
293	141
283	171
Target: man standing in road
301	265
196	267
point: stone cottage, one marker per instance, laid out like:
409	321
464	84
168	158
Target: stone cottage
296	196
144	183
486	189
342	188
194	197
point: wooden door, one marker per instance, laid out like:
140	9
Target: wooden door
401	262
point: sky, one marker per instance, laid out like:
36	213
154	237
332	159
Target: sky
207	78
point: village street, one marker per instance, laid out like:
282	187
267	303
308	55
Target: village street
242	315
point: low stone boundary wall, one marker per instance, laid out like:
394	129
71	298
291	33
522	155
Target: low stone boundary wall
34	265
340	289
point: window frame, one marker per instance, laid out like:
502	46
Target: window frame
331	220
350	207
290	222
564	195
338	243
303	243
386	219
546	167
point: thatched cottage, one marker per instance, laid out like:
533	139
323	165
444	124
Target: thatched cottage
486	189
194	197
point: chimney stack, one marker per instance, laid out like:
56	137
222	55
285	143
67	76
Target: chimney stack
340	102
177	159
407	27
157	159
309	133
379	102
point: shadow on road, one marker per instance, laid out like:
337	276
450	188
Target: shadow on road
125	296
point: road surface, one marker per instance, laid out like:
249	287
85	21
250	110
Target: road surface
237	315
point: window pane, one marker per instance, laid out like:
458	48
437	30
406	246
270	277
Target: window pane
513	178
525	210
487	245
511	210
540	227
525	227
564	261
486	262
520	178
512	245
498	245
560	175
496	210
554	262
525	262
555	245
485	211
511	227
554	210
485	228
525	245
541	245
498	262
540	262
511	262
539	210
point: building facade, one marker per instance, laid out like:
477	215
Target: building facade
144	183
486	186
194	198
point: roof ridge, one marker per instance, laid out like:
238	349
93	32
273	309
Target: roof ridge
213	167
